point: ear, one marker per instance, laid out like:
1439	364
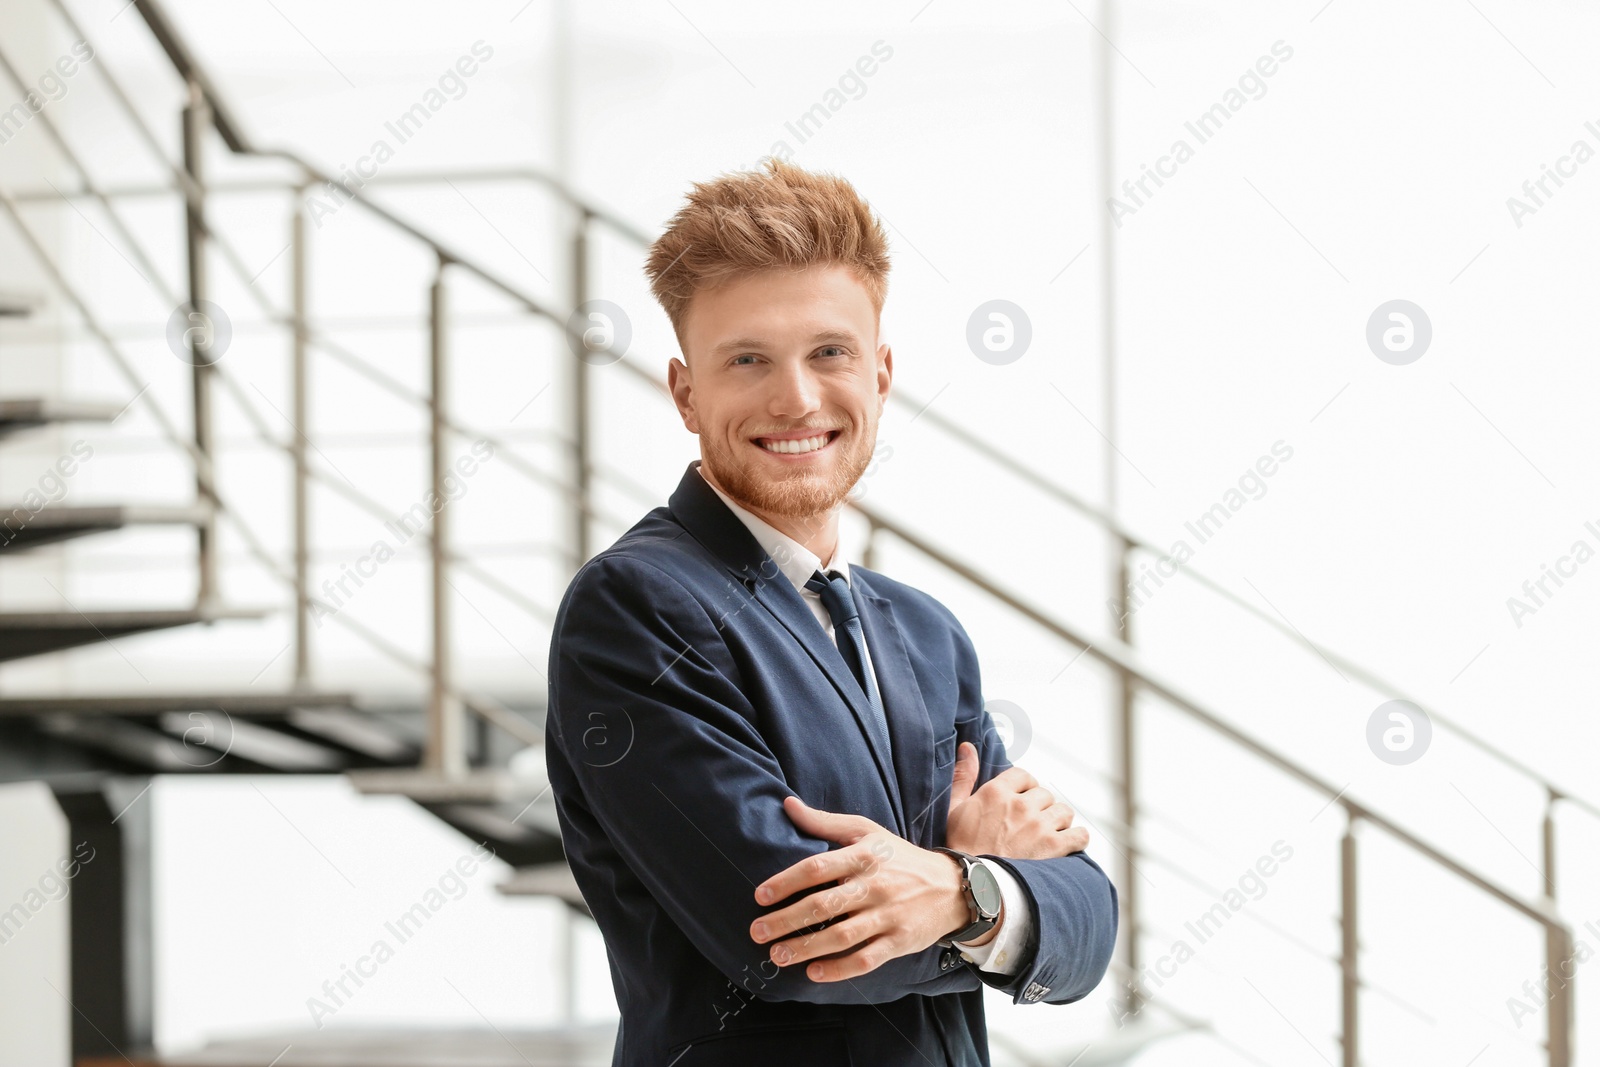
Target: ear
885	374
681	385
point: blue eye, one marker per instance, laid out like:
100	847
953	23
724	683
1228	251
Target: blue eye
834	348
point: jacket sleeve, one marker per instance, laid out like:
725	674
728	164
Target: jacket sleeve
646	709
1074	903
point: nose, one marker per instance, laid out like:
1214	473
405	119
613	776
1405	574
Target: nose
795	394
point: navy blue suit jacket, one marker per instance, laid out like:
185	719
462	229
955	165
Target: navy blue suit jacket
691	690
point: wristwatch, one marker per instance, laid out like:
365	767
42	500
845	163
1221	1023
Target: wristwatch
983	896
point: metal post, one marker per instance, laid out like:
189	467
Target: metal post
1127	806
1558	953
302	432
1349	944
110	949
1551	799
446	749
567	949
1559	966
196	118
580	396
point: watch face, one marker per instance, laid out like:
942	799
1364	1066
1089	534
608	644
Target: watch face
985	890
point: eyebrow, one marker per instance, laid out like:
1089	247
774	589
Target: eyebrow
821	337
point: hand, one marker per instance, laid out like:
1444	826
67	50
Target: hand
1012	815
893	898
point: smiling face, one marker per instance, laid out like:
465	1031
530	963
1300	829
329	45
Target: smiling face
784	384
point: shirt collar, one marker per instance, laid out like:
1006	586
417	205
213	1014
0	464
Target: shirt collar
797	562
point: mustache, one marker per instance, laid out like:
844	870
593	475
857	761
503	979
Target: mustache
793	429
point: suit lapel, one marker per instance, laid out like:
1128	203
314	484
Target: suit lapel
698	509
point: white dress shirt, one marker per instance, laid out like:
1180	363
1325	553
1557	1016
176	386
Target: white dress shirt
1003	954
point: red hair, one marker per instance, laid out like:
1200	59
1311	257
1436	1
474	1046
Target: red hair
784	217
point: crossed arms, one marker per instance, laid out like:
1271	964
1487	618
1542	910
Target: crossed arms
645	710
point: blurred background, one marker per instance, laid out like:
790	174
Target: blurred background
1243	413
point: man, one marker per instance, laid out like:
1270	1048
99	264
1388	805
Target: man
755	746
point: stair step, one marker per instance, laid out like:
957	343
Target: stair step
183	744
544	880
144	704
478	786
15	305
497	822
53	524
253	742
512	831
356	731
35	633
130	742
25	413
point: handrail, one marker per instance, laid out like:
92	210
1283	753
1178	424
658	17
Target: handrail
1122	657
189	189
232	134
1133	675
157	280
177	51
1115	654
1363	674
183	62
193	197
484	707
610	218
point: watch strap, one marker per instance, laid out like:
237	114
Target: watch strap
979	924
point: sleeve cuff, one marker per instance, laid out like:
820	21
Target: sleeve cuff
1003	955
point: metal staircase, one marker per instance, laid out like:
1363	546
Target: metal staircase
29	413
466	757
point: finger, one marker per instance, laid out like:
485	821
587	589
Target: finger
840	937
1012	780
1039	798
824	905
1060	815
812	871
830	826
965	775
864	960
1073	840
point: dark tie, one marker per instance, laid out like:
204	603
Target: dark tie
841	605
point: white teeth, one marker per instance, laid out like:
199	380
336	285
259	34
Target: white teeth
802	444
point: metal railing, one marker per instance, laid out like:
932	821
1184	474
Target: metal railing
204	111
444	751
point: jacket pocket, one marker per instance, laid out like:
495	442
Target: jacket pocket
944	751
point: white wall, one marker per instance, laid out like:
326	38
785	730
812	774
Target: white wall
35	969
269	887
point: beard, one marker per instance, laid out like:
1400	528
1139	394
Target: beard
802	493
